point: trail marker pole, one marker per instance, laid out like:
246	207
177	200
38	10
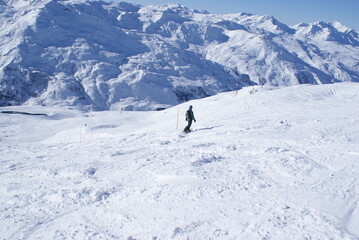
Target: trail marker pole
177	118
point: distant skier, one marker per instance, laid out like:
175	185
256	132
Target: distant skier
189	119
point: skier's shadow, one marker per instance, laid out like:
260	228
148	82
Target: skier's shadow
208	128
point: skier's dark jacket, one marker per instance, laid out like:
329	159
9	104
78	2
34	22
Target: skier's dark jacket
190	115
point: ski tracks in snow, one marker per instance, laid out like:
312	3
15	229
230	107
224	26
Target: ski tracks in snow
270	173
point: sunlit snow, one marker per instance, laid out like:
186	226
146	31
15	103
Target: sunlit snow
260	163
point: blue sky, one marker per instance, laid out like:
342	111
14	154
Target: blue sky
289	12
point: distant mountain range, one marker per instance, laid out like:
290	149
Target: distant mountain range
100	55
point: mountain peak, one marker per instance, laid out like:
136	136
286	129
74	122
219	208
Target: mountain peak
341	27
335	32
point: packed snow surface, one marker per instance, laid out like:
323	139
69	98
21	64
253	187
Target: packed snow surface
260	163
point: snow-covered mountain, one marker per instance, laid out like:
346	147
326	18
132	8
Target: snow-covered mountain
112	55
280	163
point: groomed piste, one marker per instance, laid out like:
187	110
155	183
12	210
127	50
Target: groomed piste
260	163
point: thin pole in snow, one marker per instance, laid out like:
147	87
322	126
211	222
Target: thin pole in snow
177	118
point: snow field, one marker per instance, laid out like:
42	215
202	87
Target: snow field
274	164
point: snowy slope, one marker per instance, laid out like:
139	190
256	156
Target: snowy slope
111	55
274	164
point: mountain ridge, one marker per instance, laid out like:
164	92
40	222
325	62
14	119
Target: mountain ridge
100	55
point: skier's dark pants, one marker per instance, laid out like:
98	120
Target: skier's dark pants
186	129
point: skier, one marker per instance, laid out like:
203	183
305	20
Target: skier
189	119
